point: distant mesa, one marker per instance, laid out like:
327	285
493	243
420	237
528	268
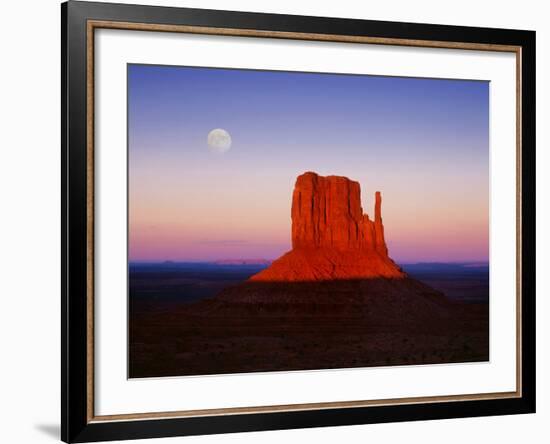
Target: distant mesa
332	239
243	262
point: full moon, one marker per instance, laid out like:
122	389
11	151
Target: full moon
219	140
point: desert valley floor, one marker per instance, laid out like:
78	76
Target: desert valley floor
177	329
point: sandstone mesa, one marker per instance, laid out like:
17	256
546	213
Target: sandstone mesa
332	239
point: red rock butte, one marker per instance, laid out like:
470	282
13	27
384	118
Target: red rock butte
332	239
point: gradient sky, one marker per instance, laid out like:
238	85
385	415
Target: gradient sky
424	143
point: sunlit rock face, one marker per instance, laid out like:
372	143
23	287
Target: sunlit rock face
326	212
332	239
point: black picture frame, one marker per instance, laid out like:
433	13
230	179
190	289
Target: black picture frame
76	424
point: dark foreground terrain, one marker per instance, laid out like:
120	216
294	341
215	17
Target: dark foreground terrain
177	327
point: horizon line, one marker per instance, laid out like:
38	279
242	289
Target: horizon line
260	260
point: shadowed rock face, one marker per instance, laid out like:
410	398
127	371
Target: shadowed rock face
396	303
331	236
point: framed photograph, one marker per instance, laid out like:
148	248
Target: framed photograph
275	221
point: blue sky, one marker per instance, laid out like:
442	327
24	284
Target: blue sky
423	142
